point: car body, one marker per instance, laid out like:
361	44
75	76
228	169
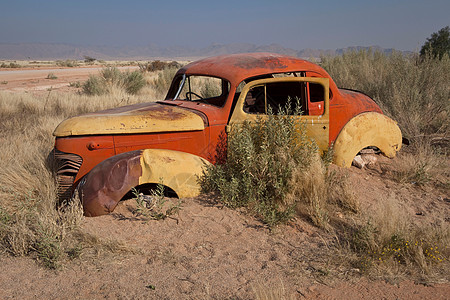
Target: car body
105	154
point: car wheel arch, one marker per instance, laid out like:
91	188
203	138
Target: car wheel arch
369	129
100	192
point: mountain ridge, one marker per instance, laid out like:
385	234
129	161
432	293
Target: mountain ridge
53	51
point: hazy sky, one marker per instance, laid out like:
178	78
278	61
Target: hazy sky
325	24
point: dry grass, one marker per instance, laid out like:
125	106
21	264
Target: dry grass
159	82
386	243
413	91
264	292
30	222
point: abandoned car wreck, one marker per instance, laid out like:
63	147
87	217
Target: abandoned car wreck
103	155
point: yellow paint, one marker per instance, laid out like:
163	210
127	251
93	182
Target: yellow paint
317	127
364	130
177	170
158	118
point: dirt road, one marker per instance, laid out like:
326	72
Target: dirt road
43	79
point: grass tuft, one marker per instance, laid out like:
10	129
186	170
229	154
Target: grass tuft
111	78
155	206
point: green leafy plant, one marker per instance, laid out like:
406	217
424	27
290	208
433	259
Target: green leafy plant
262	157
438	44
155	206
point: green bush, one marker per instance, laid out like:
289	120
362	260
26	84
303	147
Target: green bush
134	82
158	65
67	63
95	85
438	44
261	159
131	82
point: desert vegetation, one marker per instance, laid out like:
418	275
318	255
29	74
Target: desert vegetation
273	177
280	180
30	221
11	65
273	170
414	91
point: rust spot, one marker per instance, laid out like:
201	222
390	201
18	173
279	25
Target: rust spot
263	62
167	159
108	182
161	112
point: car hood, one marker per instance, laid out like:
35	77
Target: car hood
138	118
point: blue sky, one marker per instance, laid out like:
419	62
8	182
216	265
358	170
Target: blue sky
326	24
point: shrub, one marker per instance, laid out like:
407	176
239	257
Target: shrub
89	60
51	76
134	82
261	159
11	65
111	77
161	83
155	206
158	65
95	85
67	63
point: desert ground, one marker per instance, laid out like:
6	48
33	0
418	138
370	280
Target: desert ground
36	79
208	251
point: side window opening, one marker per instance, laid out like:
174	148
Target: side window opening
279	93
316	99
272	96
316	92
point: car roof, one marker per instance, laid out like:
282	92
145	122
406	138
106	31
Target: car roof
237	67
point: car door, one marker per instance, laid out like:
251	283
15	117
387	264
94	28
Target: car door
260	97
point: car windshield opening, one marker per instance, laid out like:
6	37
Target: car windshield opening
203	89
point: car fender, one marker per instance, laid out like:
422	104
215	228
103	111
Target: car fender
364	130
105	185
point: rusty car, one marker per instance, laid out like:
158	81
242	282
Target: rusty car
105	154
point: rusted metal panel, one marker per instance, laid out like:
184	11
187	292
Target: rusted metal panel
364	130
175	169
237	67
153	117
106	184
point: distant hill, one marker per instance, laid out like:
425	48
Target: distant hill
42	51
